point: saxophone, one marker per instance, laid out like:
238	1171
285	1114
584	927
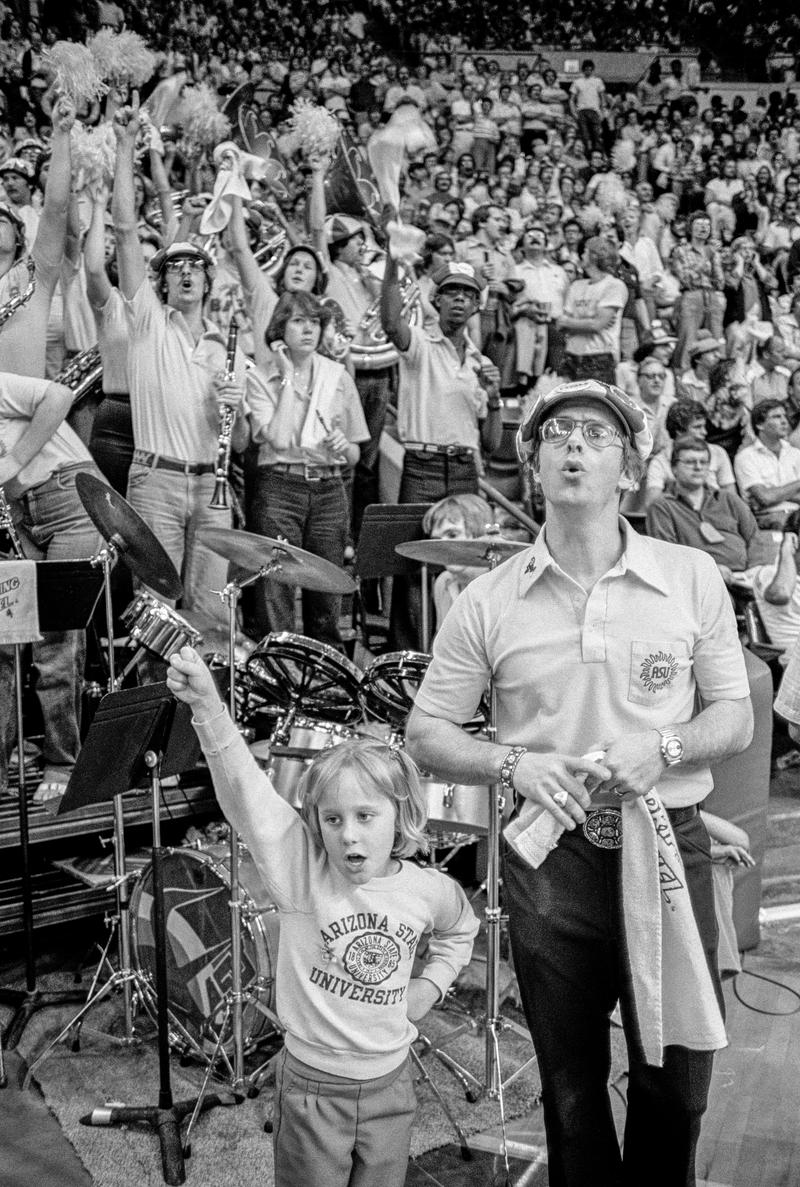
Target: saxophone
8	526
10	308
226	418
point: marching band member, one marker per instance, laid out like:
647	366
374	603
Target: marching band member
308	423
40	457
177	370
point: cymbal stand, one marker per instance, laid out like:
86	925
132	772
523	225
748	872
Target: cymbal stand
492	1084
230	596
119	923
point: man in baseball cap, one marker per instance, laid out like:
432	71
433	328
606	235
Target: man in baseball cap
617	664
628	416
18	178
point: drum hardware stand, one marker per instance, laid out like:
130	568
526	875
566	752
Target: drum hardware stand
493	1023
148	729
67	592
230	596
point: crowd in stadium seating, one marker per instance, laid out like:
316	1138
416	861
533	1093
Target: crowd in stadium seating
630	224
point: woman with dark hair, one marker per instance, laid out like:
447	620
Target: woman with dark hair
307	421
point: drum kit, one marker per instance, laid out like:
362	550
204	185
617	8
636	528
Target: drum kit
222	930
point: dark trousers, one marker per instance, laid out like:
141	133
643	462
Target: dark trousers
426	478
590	366
590	129
111	442
375	389
312	515
568	943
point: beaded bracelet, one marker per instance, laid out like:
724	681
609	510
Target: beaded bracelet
509	766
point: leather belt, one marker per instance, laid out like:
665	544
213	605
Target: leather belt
445	450
157	461
310	473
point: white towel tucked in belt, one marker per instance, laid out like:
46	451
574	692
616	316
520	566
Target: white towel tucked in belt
672	988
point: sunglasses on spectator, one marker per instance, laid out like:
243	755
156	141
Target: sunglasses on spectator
184	265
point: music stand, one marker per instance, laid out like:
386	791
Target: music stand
150	735
384	526
67	593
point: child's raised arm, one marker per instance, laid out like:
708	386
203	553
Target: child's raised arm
189	680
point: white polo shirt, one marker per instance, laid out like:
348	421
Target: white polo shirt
439	398
574	671
170	380
756	465
20	396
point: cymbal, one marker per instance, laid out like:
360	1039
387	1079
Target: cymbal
478	553
293	565
137	546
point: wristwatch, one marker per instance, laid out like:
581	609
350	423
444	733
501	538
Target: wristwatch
671	746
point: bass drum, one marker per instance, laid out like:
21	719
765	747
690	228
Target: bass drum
197	891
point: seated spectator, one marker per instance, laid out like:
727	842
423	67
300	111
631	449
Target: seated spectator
768	471
767	376
687	418
728	409
720	523
704	353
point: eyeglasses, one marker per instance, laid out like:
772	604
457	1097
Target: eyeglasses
184	265
661	375
558	430
698	463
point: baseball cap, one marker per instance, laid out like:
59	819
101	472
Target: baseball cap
631	415
182	250
340	227
456	272
18	165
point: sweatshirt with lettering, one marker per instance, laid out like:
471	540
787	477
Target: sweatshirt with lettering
345	952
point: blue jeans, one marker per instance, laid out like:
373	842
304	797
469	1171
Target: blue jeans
312	515
176	507
569	955
54	519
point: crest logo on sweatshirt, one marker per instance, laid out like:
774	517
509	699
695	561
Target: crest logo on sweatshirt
372	957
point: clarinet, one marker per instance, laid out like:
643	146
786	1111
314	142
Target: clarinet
226	418
8	526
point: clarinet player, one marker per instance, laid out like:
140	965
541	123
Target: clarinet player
180	381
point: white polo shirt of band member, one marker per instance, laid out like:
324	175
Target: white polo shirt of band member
756	465
20	396
439	399
573	671
23	338
170	378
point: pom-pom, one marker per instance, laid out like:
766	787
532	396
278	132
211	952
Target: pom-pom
313	130
93	157
122	58
623	156
203	123
591	218
75	72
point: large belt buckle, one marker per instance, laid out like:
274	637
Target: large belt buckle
603	828
311	473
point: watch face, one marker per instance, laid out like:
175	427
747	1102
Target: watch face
673	749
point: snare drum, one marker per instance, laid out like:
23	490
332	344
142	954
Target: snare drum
456	807
158	627
285	760
197	905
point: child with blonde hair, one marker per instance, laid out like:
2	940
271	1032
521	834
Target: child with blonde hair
353	912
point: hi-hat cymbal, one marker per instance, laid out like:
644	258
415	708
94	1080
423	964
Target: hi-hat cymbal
287	563
478	553
136	545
